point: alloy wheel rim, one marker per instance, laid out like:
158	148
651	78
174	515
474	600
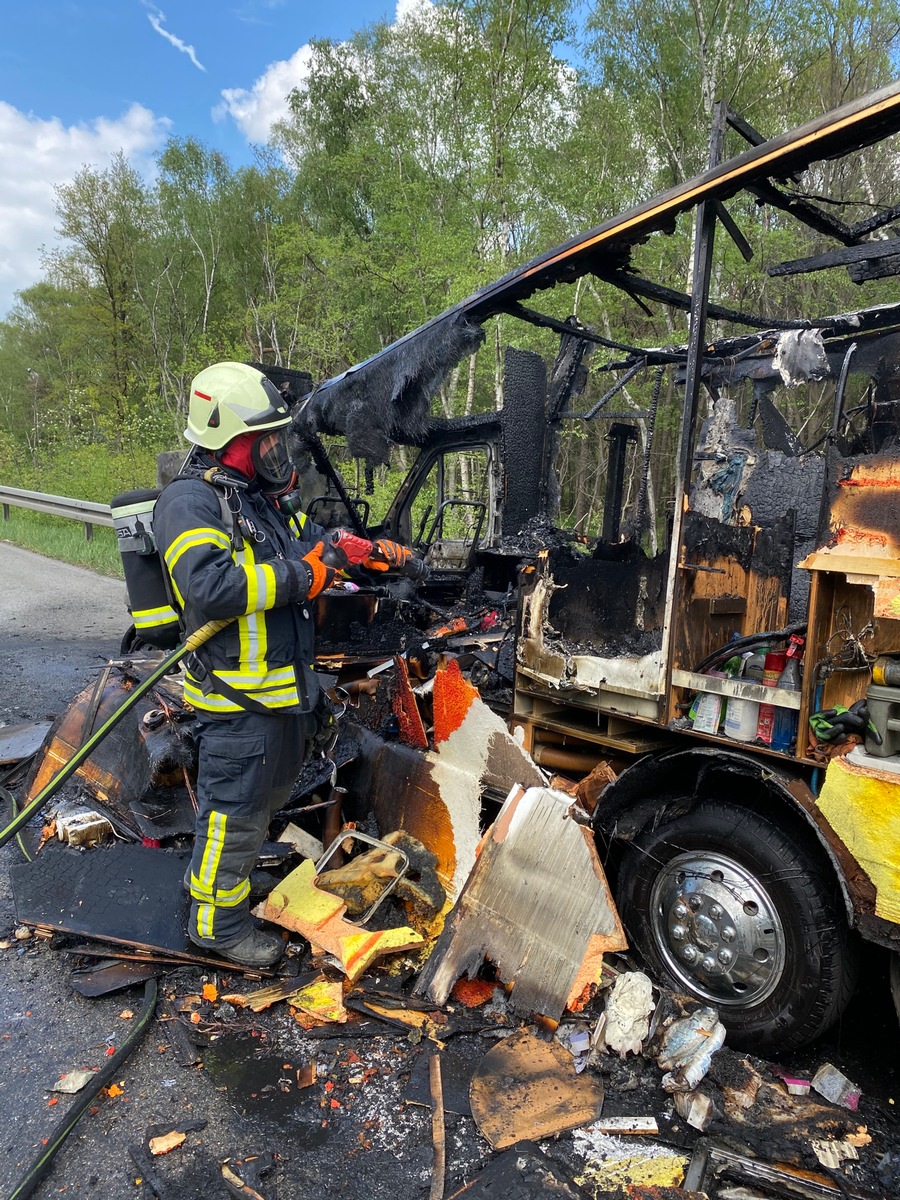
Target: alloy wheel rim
717	929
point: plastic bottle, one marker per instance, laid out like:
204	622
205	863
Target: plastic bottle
775	661
741	716
784	727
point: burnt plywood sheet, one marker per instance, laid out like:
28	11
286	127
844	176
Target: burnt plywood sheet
527	1087
128	895
536	904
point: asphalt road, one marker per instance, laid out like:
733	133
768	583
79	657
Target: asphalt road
349	1133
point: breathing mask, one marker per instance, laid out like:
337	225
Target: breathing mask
272	462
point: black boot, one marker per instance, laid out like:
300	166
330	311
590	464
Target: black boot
255	949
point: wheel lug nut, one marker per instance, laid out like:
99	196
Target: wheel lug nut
728	934
715	912
696	903
680	911
726	958
709	964
679	933
690	954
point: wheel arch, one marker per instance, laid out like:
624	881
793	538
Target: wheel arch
659	787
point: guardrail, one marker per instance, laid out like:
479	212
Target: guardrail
86	511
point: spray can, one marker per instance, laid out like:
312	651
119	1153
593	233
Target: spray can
774	665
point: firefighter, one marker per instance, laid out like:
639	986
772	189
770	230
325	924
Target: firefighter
230	552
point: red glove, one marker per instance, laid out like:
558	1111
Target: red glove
322	573
344	549
387	556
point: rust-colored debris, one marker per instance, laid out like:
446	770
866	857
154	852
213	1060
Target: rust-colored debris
528	1088
473	992
453	697
536	904
411	731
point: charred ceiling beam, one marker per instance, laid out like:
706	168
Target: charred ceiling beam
876	221
731	228
879	268
797	206
867	252
681	300
588	335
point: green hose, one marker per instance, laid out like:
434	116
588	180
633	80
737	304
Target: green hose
192	643
104	1077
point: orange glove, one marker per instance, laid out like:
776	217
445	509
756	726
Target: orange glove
388	556
322	575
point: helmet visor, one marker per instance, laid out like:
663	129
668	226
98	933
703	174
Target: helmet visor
273	462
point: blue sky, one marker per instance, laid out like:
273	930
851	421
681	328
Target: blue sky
82	80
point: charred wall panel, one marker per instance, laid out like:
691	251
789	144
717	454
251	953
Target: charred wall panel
614	605
734	578
524	428
778	483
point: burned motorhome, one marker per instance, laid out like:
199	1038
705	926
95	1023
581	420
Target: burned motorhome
660	718
657	643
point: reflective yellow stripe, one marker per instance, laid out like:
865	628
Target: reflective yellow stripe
145	617
232	897
198	891
204	536
193	695
252	587
215	839
269	584
257	679
205	915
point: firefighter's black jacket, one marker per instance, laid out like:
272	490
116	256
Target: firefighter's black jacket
254	571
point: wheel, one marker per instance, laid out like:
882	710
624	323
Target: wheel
731	908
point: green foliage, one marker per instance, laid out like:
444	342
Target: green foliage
419	161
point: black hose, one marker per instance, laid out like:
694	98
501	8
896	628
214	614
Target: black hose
104	1077
747	643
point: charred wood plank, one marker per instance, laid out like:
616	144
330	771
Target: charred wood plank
846	255
731	228
681	300
879	268
815	218
876	221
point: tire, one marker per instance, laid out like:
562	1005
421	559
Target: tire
727	906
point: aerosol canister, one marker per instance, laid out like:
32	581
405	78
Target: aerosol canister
775	660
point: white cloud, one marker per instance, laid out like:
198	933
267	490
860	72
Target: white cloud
255	110
40	154
156	18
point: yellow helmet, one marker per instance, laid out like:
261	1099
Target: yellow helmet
229	399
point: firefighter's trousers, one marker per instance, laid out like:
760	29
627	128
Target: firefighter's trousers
247	765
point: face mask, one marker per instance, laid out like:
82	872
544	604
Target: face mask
273	463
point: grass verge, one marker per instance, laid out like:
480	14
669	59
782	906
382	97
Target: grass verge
63	539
